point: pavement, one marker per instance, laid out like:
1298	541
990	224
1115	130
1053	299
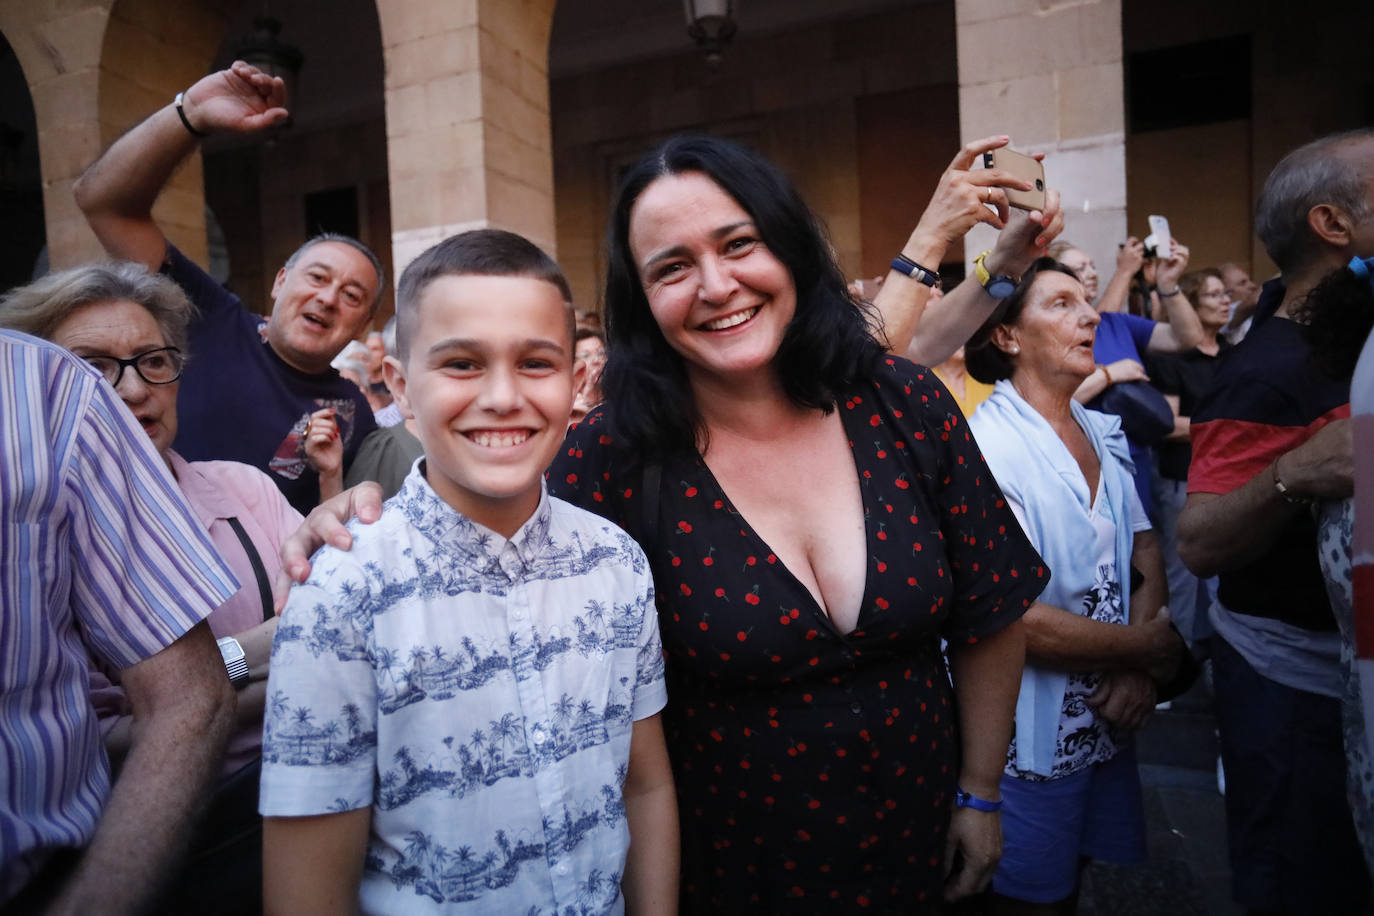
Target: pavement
1187	873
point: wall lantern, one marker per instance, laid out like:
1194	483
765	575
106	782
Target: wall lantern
711	23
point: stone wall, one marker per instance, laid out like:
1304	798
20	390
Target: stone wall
811	99
1049	74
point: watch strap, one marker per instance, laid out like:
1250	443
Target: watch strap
999	286
963	799
980	270
235	662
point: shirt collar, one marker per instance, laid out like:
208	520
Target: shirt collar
454	532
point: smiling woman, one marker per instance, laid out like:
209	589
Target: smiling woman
817	518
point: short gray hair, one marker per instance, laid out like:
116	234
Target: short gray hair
353	243
1310	175
40	307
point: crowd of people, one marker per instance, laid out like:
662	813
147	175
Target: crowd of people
729	605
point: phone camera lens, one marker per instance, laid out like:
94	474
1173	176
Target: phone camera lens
1039	185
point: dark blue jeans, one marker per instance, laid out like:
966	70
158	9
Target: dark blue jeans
1292	841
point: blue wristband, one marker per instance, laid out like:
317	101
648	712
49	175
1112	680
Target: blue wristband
964	800
904	265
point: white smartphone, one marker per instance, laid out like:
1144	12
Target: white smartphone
1159	228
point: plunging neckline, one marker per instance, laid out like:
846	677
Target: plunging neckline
817	610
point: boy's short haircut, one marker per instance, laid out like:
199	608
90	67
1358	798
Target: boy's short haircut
480	252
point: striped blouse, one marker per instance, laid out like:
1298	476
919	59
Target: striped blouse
99	555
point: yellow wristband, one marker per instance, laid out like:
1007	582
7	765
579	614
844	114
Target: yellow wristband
980	270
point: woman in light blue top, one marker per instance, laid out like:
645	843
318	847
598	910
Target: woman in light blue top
1094	648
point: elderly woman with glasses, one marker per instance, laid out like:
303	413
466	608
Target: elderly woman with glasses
130	325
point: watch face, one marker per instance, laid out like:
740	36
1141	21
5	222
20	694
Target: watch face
1001	287
229	649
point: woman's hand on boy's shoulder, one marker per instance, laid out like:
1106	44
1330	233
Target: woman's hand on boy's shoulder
324	525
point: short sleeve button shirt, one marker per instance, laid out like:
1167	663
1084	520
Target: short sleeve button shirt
100	556
479	694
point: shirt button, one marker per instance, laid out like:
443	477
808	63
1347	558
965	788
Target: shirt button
537	733
560	869
856	708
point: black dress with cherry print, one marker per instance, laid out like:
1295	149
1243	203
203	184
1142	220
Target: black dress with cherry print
816	770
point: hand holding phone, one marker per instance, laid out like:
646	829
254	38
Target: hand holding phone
1022	166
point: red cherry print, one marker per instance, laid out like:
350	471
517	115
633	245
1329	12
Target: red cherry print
572	478
720	738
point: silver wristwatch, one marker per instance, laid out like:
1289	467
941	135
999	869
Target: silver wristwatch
235	662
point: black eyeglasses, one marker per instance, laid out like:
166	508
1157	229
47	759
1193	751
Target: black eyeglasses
156	367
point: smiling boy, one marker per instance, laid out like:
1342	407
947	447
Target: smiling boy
463	709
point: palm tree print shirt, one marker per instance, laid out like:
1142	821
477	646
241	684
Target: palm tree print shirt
478	694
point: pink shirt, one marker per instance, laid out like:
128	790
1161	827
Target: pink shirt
218	490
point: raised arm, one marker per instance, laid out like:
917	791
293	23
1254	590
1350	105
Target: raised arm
183	711
948	323
1184	329
959	202
117	192
1128	261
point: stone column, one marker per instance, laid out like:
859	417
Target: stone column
467	119
1049	74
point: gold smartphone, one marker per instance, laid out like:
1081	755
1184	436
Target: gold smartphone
1022	166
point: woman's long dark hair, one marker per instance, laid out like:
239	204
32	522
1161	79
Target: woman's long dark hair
826	347
1338	315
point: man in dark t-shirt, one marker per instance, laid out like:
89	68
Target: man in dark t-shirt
1271	437
255	390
